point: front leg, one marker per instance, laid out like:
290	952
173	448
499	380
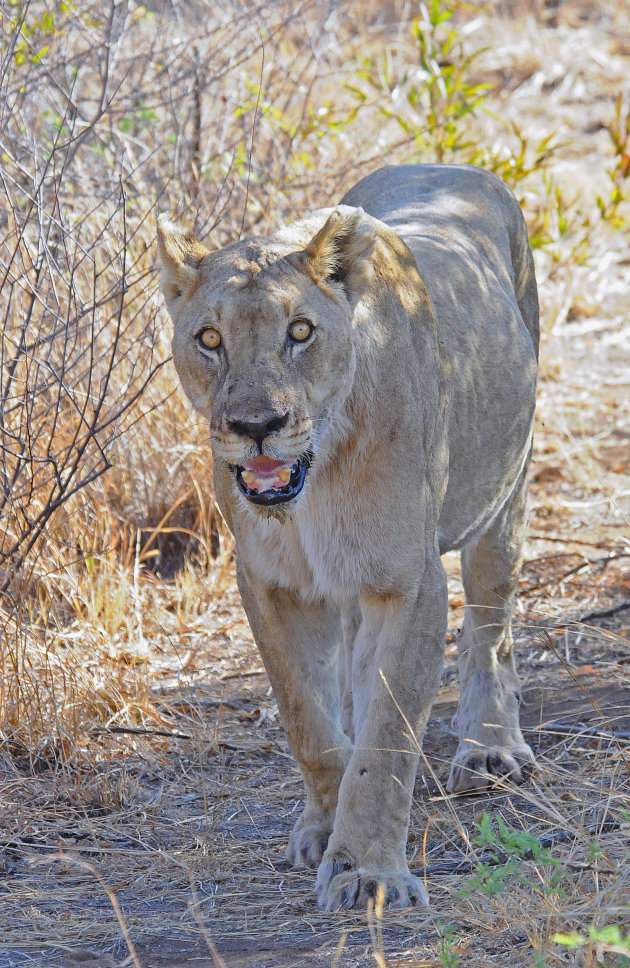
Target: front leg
398	655
350	624
299	643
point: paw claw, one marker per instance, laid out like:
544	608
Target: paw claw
370	887
308	842
340	886
339	866
392	896
479	768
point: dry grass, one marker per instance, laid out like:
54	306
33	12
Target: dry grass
142	760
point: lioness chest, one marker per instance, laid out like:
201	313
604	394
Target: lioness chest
334	548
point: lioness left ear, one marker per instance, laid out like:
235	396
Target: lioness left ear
341	253
180	255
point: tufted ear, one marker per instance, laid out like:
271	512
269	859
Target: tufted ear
180	256
341	253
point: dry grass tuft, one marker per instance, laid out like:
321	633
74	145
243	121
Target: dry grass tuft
147	791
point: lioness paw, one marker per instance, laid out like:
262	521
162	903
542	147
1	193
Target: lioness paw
307	843
479	767
341	886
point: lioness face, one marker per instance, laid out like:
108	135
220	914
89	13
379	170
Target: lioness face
263	345
270	364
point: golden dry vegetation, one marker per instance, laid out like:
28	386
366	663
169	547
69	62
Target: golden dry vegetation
146	788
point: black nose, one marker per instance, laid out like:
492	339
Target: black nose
259	425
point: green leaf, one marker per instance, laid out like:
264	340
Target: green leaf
572	940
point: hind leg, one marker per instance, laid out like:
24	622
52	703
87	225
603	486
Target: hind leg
491	744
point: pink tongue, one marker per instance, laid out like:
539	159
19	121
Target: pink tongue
264	466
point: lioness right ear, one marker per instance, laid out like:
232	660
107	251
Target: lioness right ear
180	255
341	253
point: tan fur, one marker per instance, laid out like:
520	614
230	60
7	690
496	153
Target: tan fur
415	397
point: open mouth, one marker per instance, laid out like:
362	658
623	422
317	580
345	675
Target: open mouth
264	480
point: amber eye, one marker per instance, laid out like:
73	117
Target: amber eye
300	330
210	338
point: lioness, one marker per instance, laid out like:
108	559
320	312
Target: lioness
369	374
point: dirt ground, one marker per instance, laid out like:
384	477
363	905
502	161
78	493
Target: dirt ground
173	854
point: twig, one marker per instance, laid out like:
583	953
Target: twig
606	613
592	616
251	147
104	730
579	729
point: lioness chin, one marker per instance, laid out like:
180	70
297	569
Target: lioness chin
369	375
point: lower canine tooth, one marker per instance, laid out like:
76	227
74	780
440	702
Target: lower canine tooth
249	477
284	474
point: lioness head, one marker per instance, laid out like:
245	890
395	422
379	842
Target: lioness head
264	342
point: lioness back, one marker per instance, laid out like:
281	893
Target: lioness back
469	239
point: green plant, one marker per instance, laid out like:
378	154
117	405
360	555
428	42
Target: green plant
449	93
31	34
436	104
505	853
557	220
619	131
449	958
432	104
599	941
